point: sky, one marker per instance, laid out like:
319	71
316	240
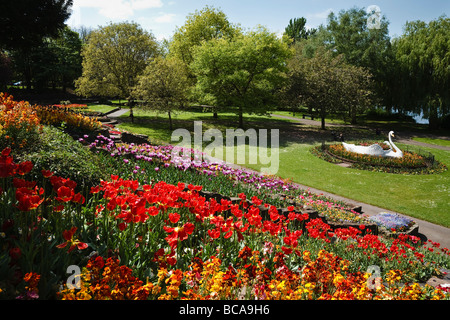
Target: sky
162	17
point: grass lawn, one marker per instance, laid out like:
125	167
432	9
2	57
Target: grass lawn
438	142
100	107
422	196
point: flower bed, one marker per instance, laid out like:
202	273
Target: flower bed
153	219
200	249
51	115
281	193
19	123
411	162
392	224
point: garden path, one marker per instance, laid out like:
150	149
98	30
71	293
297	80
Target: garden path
117	113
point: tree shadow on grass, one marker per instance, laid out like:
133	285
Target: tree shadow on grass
156	127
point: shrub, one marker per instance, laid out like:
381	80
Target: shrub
58	152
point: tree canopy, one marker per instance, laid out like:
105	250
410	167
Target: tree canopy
423	53
296	30
204	25
327	83
242	73
113	57
25	26
363	44
24	23
163	86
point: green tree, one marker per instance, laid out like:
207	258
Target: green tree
356	85
55	61
423	53
364	45
244	72
24	25
200	26
296	30
204	25
67	48
163	86
113	58
326	84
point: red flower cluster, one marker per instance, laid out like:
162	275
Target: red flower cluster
65	189
318	229
8	168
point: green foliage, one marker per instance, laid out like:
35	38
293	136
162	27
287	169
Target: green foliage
423	51
56	61
67	48
163	86
204	25
25	23
243	72
113	58
296	30
350	35
327	84
58	152
25	27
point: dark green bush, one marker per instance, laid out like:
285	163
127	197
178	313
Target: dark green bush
58	152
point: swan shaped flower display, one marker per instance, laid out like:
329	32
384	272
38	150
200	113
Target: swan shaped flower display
376	149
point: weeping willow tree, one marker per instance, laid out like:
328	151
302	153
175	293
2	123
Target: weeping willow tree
423	55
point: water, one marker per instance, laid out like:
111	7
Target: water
419	118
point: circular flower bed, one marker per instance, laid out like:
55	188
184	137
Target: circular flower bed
411	162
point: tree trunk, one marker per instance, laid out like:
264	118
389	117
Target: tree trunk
433	118
241	118
170	120
323	123
323	114
433	121
353	116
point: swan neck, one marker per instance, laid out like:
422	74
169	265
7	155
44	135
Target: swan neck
392	144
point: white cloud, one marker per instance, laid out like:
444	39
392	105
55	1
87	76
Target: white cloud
319	15
146	4
165	18
117	9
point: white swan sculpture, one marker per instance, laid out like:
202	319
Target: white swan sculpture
376	149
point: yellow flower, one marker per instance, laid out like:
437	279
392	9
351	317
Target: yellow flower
338	279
